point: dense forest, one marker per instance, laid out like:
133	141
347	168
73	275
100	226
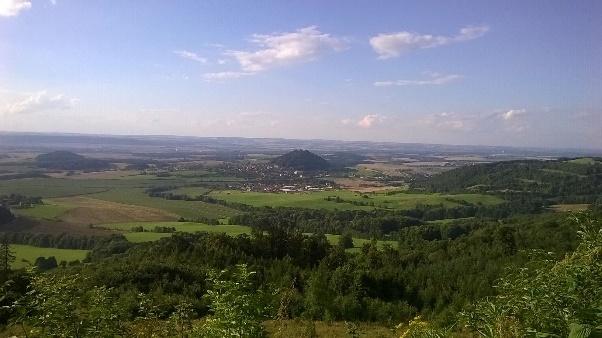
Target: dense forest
66	160
301	160
560	181
435	271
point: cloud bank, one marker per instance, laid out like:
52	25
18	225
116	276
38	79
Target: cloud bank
39	102
390	45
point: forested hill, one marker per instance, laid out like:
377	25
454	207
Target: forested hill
577	180
302	160
66	160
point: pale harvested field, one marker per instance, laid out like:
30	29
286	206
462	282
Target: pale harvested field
569	207
385	168
86	210
359	185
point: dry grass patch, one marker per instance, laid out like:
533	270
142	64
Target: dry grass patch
86	210
569	207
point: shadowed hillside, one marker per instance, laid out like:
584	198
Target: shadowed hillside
302	160
66	160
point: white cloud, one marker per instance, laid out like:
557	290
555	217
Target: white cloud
434	79
38	102
302	45
389	45
190	56
13	7
513	114
222	76
367	121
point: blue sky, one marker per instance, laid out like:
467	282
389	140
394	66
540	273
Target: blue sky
522	73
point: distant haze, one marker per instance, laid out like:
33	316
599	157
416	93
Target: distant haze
504	73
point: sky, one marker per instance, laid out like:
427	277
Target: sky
514	73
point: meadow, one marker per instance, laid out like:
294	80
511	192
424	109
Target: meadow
365	201
26	254
232	230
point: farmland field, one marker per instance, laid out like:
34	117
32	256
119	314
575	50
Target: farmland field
140	237
187	209
46	211
191	191
317	200
182	226
28	253
358	243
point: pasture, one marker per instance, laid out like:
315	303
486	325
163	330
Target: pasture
349	200
47	211
26	254
233	230
358	243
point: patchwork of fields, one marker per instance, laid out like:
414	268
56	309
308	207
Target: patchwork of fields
117	201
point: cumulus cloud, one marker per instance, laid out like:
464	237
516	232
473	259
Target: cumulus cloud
38	102
512	114
190	56
367	121
389	45
434	79
303	45
13	7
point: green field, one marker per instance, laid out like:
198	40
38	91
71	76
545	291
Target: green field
584	160
26	254
46	211
182	226
140	237
317	200
358	243
190	191
232	230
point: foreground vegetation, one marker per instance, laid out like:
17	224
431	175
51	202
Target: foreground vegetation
279	275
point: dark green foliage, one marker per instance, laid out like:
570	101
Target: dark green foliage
7	256
346	241
301	160
5	215
19	201
436	271
560	181
65	160
60	241
44	264
548	297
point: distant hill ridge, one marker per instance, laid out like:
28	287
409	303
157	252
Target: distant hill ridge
578	180
66	160
301	160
